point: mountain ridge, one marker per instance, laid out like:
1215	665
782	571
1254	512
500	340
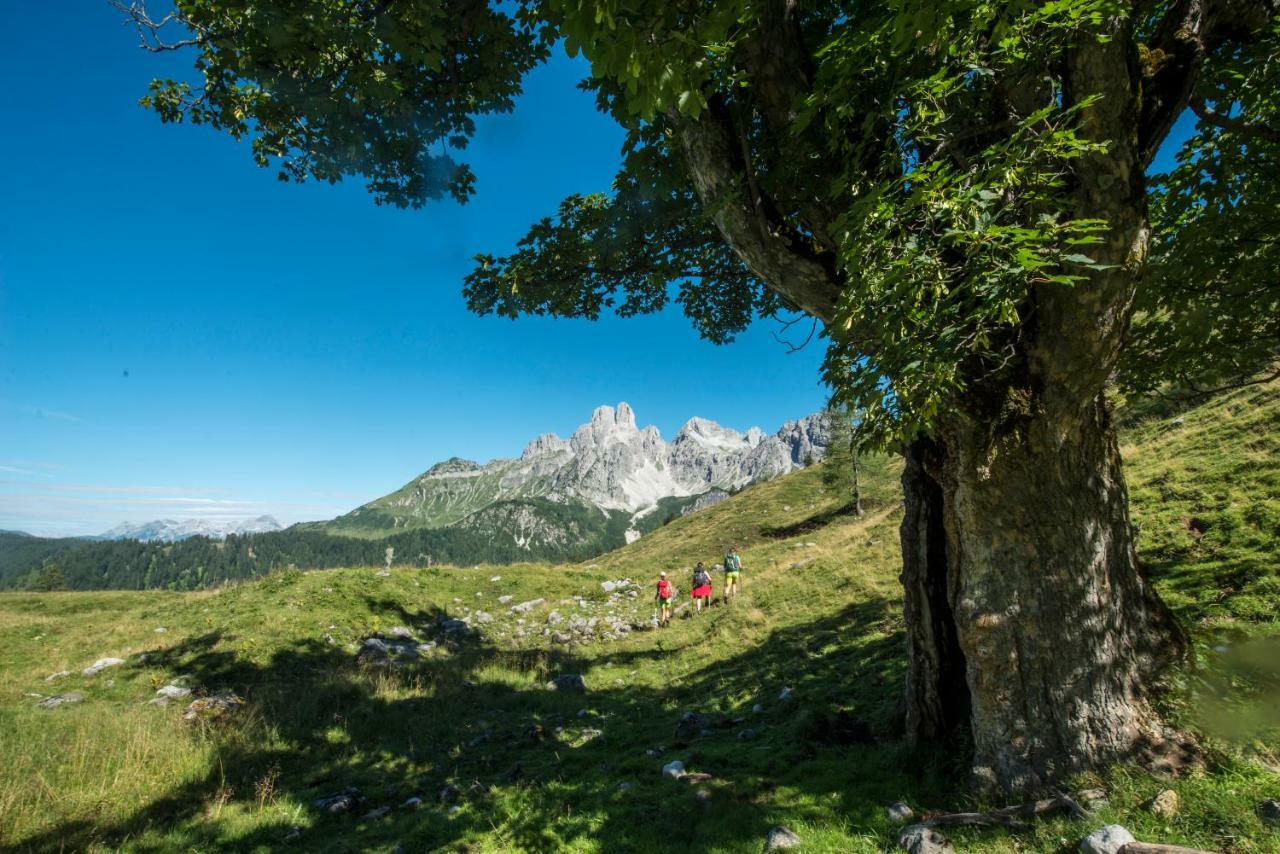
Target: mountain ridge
608	463
175	530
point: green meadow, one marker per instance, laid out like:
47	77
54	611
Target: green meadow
502	763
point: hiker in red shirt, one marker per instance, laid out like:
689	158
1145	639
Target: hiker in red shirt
663	599
701	587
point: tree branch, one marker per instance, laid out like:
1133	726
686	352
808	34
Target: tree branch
1189	31
150	30
719	176
1211	116
787	324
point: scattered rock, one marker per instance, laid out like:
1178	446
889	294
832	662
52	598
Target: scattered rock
673	769
1176	422
160	630
102	664
60	700
560	637
378	813
623	788
482	617
295	832
1165	805
779	838
212	709
496	578
397	650
1092	799
502	600
58	675
450	794
412	803
918	839
746	734
1269	812
757	709
703	796
899	813
690	727
173	691
340	802
801	564
785	695
525	607
1106	840
697	777
608	586
570	682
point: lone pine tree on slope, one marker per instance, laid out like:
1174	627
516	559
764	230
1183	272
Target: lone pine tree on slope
955	190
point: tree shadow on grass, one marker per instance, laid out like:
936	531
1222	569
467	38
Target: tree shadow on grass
536	769
807	525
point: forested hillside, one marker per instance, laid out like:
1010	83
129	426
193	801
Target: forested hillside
200	562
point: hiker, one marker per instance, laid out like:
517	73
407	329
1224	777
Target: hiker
732	569
701	587
663	599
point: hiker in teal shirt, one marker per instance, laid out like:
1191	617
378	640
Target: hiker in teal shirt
732	570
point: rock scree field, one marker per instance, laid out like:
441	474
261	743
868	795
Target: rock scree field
532	707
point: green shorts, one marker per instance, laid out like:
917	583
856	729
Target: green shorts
732	577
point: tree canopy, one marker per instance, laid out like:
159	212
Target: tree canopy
900	171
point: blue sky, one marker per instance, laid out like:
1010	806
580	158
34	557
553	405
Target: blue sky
183	335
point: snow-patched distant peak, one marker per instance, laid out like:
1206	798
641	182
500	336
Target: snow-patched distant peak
173	530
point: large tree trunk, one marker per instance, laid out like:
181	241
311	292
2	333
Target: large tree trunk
1030	628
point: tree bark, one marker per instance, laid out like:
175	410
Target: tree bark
1020	573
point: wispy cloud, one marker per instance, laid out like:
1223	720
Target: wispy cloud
112	489
42	412
72	509
27	467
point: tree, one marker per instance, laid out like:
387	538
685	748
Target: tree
842	463
955	190
49	579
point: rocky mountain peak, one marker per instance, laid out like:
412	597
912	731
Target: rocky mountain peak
452	466
608	463
608	426
708	432
546	444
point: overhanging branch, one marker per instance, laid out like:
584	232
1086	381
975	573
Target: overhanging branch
1187	33
763	243
1236	125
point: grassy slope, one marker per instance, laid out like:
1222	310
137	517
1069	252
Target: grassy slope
114	772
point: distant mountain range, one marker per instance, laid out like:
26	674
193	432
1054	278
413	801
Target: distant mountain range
628	478
175	530
561	500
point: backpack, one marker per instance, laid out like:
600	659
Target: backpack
664	589
732	562
700	578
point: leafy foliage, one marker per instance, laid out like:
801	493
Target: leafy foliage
1210	311
911	173
333	88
